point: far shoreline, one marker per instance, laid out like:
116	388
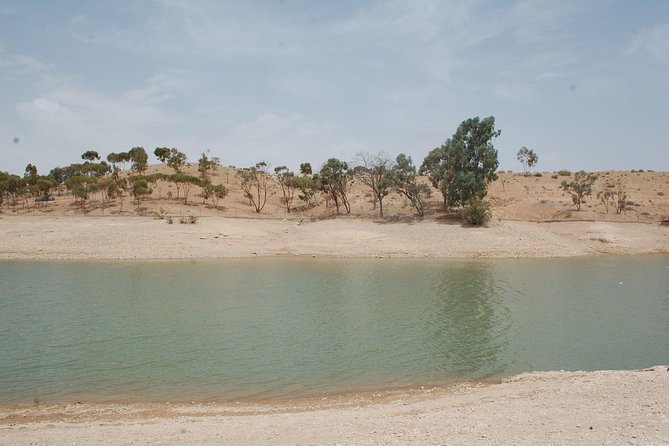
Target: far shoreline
140	238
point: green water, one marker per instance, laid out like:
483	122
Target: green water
264	328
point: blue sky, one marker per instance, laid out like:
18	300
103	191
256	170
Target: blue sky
583	83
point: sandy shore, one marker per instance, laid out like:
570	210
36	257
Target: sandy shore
77	238
622	407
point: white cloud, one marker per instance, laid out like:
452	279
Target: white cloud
547	75
31	110
653	42
16	65
159	88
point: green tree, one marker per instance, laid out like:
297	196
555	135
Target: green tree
81	187
580	188
185	183
30	171
374	171
219	192
120	157
139	158
305	168
176	160
464	165
255	183
528	158
90	155
307	187
205	165
405	182
333	180
286	180
162	153
140	188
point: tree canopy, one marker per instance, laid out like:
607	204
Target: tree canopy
462	167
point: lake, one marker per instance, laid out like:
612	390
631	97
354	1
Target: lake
292	327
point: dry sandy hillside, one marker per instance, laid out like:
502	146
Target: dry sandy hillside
514	196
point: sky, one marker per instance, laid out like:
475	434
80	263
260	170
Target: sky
585	84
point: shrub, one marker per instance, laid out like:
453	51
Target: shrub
564	173
170	220
476	212
555	177
538	174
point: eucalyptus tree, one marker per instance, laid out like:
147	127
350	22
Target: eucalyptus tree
579	188
255	183
162	153
139	185
286	180
405	182
205	165
527	158
90	155
119	157
334	180
462	167
176	160
139	158
185	183
305	169
374	171
307	187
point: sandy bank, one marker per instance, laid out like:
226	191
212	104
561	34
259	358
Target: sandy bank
77	238
621	407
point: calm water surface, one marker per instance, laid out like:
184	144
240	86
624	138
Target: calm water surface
262	328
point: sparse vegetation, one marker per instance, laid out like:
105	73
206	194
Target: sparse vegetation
580	188
255	182
476	212
528	158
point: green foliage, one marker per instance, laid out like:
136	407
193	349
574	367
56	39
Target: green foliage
30	171
139	158
374	171
464	165
184	182
476	212
121	157
140	188
528	158
405	182
286	181
81	186
580	188
176	160
333	180
305	169
205	165
564	173
162	153
90	155
255	183
307	189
